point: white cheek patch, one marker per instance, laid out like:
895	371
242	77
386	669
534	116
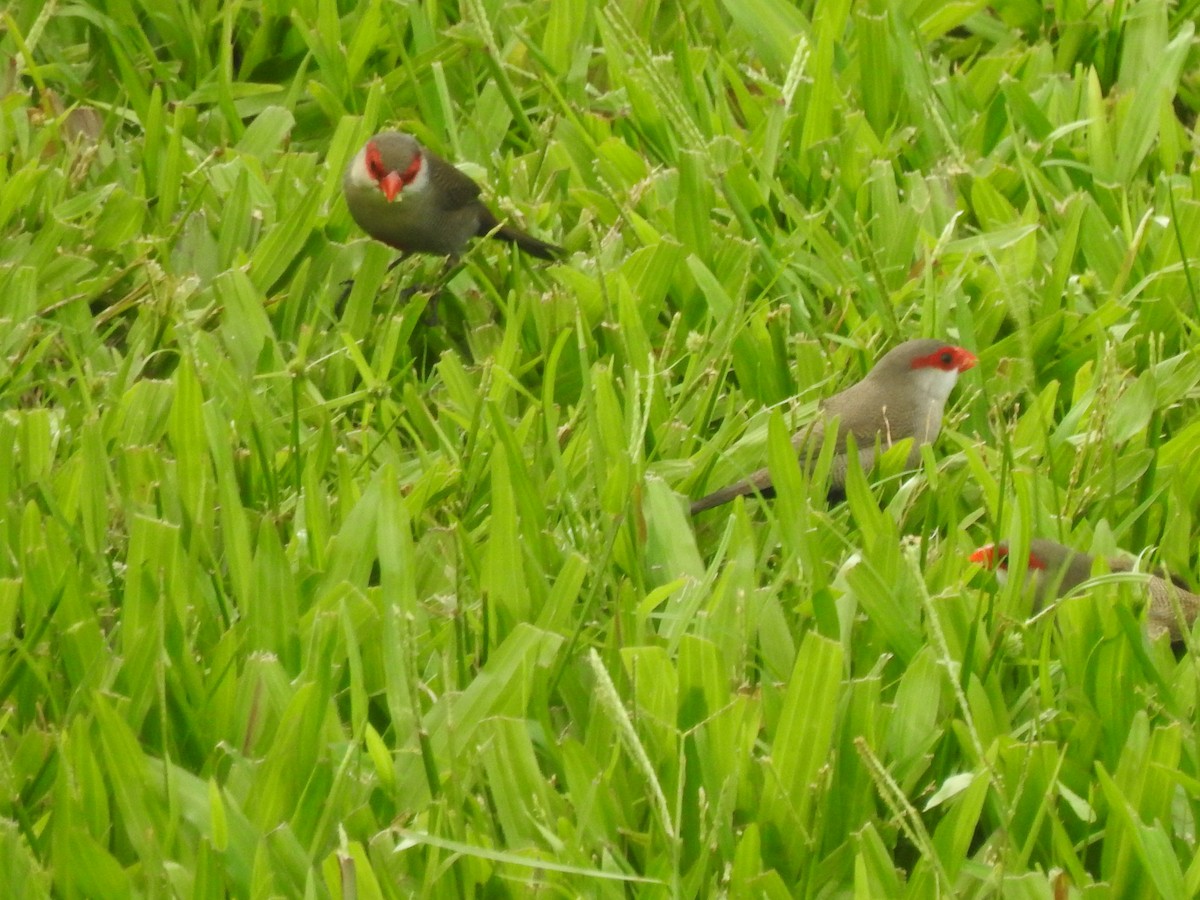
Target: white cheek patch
937	383
420	180
359	175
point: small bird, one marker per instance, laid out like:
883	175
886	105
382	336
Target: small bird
409	198
903	396
1055	570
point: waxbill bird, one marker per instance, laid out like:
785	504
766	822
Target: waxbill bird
409	198
903	396
1054	570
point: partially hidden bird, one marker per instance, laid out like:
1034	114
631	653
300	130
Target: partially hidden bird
903	396
408	197
1054	569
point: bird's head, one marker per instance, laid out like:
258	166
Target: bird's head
944	358
1050	569
995	556
936	367
929	368
390	162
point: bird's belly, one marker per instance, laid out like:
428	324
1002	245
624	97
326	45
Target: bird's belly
411	226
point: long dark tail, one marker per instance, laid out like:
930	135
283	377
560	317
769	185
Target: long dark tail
837	493
528	243
725	494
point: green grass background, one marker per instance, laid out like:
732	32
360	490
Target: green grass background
300	599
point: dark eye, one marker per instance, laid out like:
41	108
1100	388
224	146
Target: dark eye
947	358
375	163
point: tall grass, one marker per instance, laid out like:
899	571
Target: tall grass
310	597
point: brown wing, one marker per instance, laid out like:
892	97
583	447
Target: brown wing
1124	564
1161	615
454	189
1163	589
860	411
457	191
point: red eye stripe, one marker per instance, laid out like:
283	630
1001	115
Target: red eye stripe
374	161
407	176
995	556
948	359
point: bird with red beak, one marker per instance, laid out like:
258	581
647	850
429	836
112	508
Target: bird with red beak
409	198
1053	570
902	397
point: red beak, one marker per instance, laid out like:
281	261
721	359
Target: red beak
984	556
391	185
966	360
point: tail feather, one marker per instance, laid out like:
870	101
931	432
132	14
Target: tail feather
759	484
528	243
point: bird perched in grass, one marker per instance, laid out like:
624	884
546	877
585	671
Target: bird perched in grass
903	396
1054	569
408	197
